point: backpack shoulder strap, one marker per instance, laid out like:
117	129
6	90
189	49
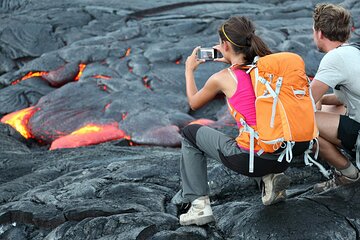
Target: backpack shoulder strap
232	74
355	44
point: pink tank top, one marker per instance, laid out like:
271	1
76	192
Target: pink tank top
243	100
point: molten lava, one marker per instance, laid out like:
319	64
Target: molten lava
29	75
87	129
81	69
102	77
19	120
89	135
124	115
146	82
128	51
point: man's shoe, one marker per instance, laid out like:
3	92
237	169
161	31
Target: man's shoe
200	212
274	186
337	180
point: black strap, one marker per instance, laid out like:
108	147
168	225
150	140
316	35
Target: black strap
355	44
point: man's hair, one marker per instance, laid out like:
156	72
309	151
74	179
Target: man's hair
333	21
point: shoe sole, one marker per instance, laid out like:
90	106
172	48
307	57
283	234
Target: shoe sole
281	183
199	221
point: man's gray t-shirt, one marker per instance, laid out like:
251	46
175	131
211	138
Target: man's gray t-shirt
340	70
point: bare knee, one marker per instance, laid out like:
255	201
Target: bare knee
328	124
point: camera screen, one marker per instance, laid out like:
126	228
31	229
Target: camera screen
206	53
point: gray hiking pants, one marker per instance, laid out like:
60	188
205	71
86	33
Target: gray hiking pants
200	142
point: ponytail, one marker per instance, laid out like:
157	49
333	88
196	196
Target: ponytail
240	32
258	47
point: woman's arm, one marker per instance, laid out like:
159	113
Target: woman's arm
198	98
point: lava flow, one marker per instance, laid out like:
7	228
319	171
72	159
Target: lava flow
89	135
19	120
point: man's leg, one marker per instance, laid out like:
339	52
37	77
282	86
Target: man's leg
328	124
341	110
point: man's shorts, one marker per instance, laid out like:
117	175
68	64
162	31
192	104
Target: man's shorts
347	133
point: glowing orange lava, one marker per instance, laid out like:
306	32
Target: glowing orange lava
102	77
146	82
124	115
81	69
128	51
35	74
90	128
19	120
89	135
29	75
106	106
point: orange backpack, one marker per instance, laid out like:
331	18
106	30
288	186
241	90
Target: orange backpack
285	110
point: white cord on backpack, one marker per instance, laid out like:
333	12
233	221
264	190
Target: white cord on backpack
309	161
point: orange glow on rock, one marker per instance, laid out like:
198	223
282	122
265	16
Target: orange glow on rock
87	129
33	74
102	77
19	120
89	135
124	115
29	75
178	61
106	106
202	121
146	82
81	69
128	51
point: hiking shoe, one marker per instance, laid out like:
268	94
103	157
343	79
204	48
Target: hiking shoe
337	180
183	208
200	212
274	186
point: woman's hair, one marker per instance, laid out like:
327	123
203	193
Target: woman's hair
333	21
240	32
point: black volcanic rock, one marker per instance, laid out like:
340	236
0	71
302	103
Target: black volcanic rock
124	192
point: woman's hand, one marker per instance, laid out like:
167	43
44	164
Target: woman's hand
224	60
192	62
